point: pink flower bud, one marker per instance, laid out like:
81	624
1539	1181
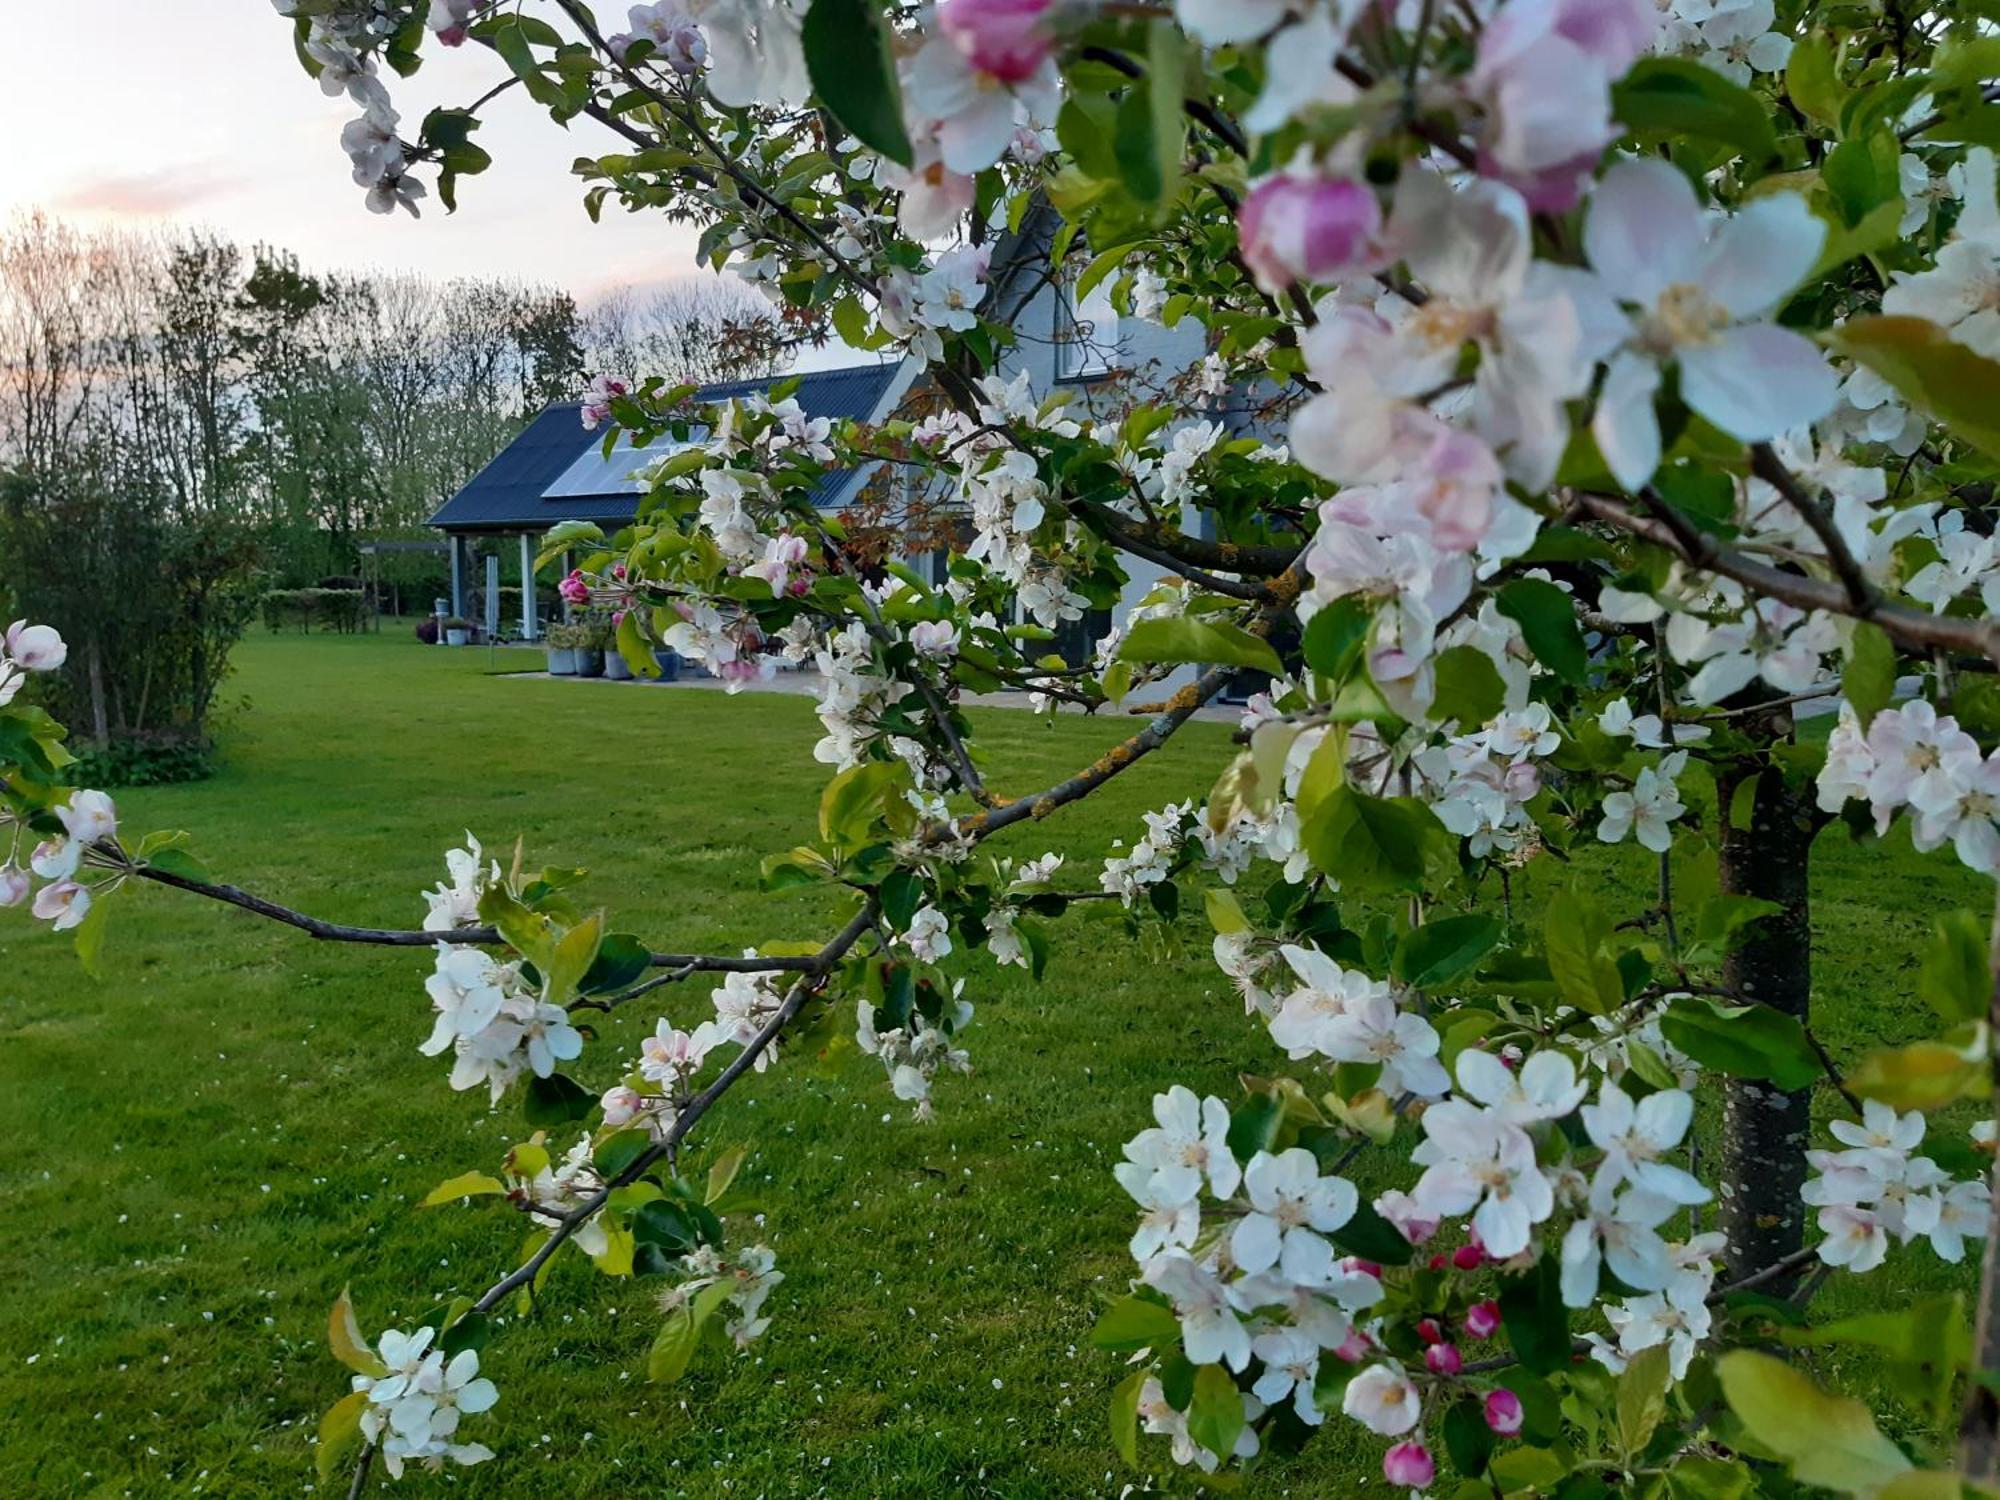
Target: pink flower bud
1004	39
1468	1257
1443	1359
1309	229
1429	1331
1354	1348
14	885
1354	1265
1410	1465
1503	1412
573	588
1439	1261
1482	1319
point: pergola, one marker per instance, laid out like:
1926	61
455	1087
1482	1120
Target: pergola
557	471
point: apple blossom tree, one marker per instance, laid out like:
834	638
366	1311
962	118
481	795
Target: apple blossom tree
1626	378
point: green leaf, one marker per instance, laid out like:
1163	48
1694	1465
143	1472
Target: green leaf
1547	615
1444	949
343	1338
1827	1440
465	1185
1744	1041
1954	980
621	960
1372	1237
854	73
1183	638
1337	635
1575	935
723	1172
1215	1416
1467	1438
902	893
1868	679
1469	688
1923	1075
88	937
1133	1323
1642	1398
1373	843
1724	915
854	799
556	1100
1676	98
1945	379
339	1430
1225	912
178	862
1253	1124
1927	1344
1125	1417
680	1335
1813	84
1537	1323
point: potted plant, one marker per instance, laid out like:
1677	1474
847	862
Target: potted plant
615	665
670	664
561	644
457	631
589	647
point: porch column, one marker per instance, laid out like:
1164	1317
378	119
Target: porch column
530	630
457	575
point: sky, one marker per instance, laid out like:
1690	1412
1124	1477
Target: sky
195	112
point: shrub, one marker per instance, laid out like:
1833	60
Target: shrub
143	762
343	610
427	630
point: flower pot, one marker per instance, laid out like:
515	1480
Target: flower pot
457	637
562	662
589	662
615	667
670	665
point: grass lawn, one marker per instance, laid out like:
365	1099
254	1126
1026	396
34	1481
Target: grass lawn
232	1124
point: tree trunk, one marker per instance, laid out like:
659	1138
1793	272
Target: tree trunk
1979	1426
1765	1129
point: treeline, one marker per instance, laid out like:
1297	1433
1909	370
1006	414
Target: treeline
187	423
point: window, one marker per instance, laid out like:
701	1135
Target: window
1086	331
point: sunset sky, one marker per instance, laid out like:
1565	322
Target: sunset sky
140	113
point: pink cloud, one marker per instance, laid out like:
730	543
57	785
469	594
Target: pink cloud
146	195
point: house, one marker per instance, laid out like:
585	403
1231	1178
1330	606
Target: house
556	471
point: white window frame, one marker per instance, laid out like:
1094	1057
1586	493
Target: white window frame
1081	356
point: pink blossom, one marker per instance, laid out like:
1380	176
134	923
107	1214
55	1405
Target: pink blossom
1503	1412
1354	1348
1309	229
1430	1331
1544	74
1443	1359
1482	1319
1409	1465
597	399
1005	39
573	588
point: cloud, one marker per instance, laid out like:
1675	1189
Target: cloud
146	195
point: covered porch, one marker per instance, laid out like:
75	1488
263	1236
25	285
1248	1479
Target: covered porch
494	583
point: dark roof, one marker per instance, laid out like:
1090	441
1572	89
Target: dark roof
507	493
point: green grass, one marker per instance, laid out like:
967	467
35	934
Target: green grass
234	1122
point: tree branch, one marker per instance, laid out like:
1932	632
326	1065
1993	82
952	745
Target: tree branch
1908	626
400	937
1862	595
